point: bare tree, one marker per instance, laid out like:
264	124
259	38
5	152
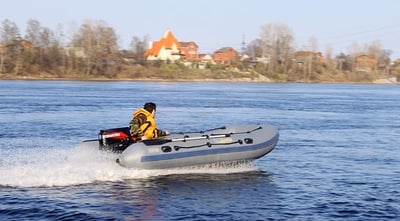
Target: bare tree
381	55
98	41
277	40
10	54
328	52
32	32
2	53
354	49
313	45
86	40
329	58
313	42
139	47
8	31
46	44
59	38
284	45
254	48
374	48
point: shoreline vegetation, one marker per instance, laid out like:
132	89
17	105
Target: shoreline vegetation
92	53
221	77
231	80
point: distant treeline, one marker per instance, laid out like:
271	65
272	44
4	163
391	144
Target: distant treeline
92	51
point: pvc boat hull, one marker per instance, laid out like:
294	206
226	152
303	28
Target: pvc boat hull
228	144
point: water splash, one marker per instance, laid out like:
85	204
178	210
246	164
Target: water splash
43	166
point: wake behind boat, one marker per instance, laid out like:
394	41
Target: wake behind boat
225	144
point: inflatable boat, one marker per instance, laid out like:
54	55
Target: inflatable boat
224	144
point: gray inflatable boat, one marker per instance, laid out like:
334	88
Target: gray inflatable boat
225	144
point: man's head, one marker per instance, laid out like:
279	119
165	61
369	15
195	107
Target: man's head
150	107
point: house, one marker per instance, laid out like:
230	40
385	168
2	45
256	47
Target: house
25	44
225	55
303	57
189	51
364	63
167	48
204	60
21	43
78	52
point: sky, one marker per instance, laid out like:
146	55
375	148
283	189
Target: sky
213	24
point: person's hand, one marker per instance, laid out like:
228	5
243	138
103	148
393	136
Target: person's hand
144	138
135	139
167	133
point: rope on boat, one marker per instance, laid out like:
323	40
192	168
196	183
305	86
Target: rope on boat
245	132
208	144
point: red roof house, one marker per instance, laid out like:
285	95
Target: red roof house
225	55
167	48
189	50
365	63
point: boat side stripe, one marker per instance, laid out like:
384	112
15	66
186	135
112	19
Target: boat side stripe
177	155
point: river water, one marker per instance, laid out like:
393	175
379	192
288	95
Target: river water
338	156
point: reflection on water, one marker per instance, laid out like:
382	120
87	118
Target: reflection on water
161	195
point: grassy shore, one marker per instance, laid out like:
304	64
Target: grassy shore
242	77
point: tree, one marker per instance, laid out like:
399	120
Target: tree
312	63
98	41
382	56
277	41
373	49
10	50
313	44
330	63
8	32
344	62
47	53
254	48
32	32
2	53
139	47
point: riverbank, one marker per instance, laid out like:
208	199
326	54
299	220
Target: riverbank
257	79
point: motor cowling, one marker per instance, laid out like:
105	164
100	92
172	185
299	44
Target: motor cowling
115	139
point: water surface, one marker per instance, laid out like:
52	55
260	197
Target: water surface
337	159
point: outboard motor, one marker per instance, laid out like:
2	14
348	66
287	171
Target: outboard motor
115	140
